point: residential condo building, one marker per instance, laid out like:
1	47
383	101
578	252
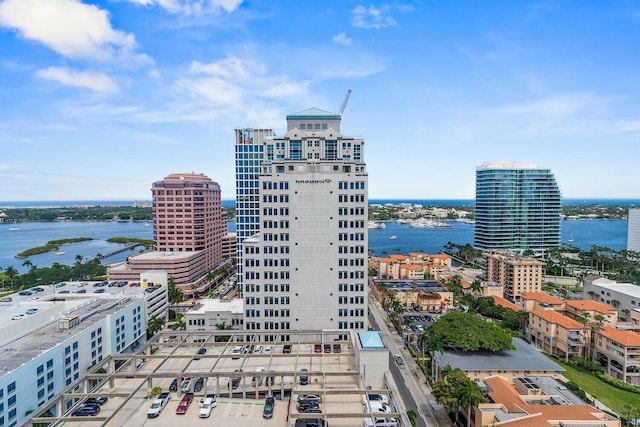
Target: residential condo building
517	208
515	273
307	267
633	232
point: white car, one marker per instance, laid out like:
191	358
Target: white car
19	316
207	405
257	349
185	386
376	406
158	405
381	422
267	349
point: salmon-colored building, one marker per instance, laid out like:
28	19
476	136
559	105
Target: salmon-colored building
558	334
516	273
525	404
189	227
531	301
415	266
577	308
619	352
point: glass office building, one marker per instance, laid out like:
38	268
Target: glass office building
518	208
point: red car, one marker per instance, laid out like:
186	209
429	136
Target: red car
317	348
184	403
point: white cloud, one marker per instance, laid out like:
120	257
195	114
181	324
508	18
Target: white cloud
82	79
69	27
372	17
342	39
192	7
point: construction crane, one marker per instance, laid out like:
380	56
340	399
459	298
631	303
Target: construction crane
344	103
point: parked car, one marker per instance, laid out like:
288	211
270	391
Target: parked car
257	380
184	404
197	386
267	349
101	400
25	293
234	382
286	349
399	360
381	422
317	348
207	405
304	378
303	405
159	404
174	385
257	349
19	316
311	422
37	289
201	350
6	299
327	348
32	310
237	350
314	397
376	397
87	410
337	348
185	386
267	411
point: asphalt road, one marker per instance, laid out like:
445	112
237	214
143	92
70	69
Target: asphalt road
415	394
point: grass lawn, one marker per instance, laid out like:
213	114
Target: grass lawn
613	397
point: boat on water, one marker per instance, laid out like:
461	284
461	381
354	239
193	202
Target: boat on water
376	225
14	227
394	237
428	223
60	253
146	224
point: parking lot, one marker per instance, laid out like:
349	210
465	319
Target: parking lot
241	382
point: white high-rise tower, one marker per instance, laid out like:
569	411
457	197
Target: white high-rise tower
307	267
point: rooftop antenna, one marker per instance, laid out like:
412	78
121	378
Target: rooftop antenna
344	103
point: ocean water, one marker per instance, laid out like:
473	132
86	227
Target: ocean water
584	233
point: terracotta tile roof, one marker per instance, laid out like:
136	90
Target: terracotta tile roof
626	338
502	392
440	256
541	297
590	305
386	260
413	267
559	319
398	257
373	264
505	303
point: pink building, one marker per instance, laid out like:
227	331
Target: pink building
189	227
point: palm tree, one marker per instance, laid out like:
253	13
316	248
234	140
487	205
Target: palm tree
78	259
593	295
175	295
154	325
476	286
599	320
470	395
11	272
27	263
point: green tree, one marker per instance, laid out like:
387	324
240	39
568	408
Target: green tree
175	295
27	263
467	332
476	286
78	259
446	390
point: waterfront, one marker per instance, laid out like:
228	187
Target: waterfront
609	233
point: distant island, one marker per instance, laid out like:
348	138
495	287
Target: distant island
52	245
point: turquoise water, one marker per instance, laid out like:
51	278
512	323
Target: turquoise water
610	233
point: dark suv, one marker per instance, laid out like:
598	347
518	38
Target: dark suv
267	412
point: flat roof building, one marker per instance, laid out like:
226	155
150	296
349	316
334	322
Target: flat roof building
633	231
515	273
311	251
50	350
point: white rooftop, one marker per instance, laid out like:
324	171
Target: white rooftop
235	305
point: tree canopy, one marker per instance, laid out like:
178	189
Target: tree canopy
466	332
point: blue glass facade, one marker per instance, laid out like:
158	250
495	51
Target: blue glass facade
518	208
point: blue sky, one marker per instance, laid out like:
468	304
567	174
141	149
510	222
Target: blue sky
98	99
